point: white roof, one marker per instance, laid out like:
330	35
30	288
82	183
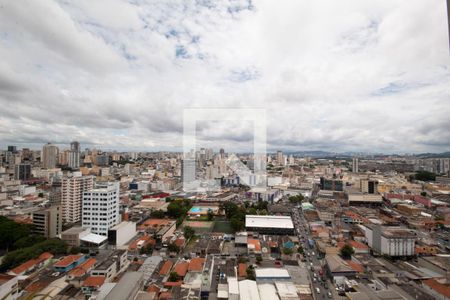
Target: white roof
268	221
267	291
248	290
262	273
233	287
286	289
94	238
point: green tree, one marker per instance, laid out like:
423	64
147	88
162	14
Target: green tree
250	273
146	250
259	259
296	199
347	251
159	214
423	194
173	248
41	195
210	215
174	210
10	232
188	232
173	277
287	251
74	250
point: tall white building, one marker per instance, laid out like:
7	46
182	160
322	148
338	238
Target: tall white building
280	158
74	155
72	189
355	165
49	157
101	207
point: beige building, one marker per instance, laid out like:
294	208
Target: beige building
73	235
72	189
49	157
48	222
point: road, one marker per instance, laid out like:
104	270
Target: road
321	288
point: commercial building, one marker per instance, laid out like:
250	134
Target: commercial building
369	186
121	233
355	165
101	207
392	241
331	184
74	155
49	157
269	224
271	274
48	222
128	286
72	189
72	236
22	172
248	290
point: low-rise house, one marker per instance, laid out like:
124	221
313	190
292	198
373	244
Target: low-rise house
69	262
92	284
32	264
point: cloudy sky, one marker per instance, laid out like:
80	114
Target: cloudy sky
332	75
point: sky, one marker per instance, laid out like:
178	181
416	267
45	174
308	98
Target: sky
363	76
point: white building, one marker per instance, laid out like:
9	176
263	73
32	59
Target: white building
101	207
72	189
120	234
392	241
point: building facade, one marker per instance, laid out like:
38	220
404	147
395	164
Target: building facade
49	157
48	222
72	189
101	207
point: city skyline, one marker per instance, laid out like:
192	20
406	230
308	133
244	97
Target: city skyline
356	77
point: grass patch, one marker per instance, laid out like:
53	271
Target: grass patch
223	227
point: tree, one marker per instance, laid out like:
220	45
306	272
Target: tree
347	251
250	273
188	232
174	210
173	277
41	195
210	215
173	248
237	224
259	259
296	199
159	214
74	250
300	250
423	194
424	176
11	232
287	251
146	250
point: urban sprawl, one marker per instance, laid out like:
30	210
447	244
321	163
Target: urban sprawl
92	224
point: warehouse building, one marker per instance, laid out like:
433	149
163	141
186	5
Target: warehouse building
269	224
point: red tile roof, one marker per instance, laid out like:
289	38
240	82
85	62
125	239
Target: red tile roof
153	288
255	243
165	295
242	270
31	263
166	268
94	281
355	266
68	260
171	284
443	289
83	268
148	241
196	264
181	268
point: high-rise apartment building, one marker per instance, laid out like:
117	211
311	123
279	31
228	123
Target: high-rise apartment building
74	155
72	189
49	156
101	207
22	172
355	165
48	222
280	158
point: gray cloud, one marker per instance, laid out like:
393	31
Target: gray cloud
355	76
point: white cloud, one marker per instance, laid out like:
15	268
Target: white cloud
347	75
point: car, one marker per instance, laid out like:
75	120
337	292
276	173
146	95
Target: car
311	264
314	279
329	295
317	290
